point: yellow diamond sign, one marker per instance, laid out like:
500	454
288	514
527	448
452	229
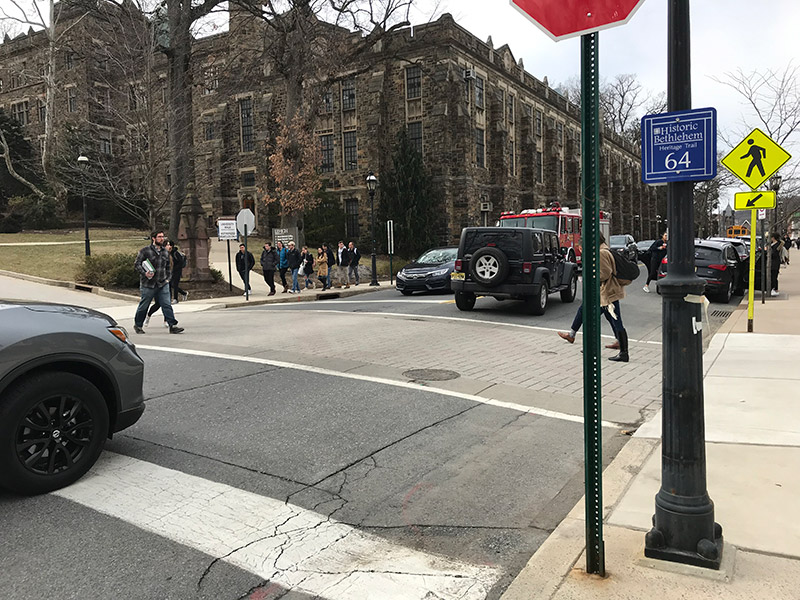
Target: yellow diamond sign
756	158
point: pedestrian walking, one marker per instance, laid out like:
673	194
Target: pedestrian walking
775	248
322	267
283	264
153	265
244	264
658	250
178	265
331	262
307	267
293	260
343	262
355	257
269	263
611	292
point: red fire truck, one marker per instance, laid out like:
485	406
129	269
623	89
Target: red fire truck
563	220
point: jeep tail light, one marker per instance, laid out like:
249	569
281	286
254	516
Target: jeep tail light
458	265
526	267
718	267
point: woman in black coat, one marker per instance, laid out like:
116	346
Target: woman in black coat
657	251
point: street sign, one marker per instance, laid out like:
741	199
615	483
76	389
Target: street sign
750	200
245	217
227	229
756	158
762	214
390	236
679	146
284	235
577	17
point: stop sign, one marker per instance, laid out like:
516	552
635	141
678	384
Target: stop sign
561	19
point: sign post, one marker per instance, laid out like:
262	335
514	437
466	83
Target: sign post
246	220
226	229
390	247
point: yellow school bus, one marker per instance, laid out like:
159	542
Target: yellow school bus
737	230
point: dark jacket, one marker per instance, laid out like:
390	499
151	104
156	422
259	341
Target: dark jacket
345	257
657	254
293	259
240	262
355	256
269	260
161	262
775	250
308	263
331	258
282	258
178	259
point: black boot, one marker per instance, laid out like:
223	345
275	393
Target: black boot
623	348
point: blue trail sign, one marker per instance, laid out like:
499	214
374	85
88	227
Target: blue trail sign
679	146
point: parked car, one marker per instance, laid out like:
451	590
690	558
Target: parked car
512	262
429	273
643	250
627	244
718	263
69	379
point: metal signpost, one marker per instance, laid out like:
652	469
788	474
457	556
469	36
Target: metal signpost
561	21
390	247
246	220
226	230
679	146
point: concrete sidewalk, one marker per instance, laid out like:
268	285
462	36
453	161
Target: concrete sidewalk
753	465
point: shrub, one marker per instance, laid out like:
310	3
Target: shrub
12	223
35	212
216	275
109	270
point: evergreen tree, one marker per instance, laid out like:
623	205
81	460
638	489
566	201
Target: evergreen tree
409	197
22	156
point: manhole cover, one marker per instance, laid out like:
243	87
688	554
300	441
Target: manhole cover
431	374
720	314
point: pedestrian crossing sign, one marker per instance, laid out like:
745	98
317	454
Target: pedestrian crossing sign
756	158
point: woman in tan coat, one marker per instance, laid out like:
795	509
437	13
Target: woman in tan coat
322	267
611	292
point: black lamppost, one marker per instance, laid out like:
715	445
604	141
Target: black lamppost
372	184
775	185
83	164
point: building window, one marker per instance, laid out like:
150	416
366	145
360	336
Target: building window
102	96
1	84
467	90
537	126
413	82
41	109
537	167
479	92
480	148
248	179
351	211
208	130
415	135
510	108
105	142
560	173
327	102
19	112
560	132
350	151
349	94
72	100
326	146
512	159
528	110
246	124
210	80
69	61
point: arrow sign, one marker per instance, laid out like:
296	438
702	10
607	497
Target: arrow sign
751	200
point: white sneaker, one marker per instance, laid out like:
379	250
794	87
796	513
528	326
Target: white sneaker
147	320
166	324
291	291
185	296
245	294
646	289
773	293
173	301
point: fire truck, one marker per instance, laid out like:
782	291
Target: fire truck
563	220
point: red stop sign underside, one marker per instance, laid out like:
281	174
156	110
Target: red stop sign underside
567	18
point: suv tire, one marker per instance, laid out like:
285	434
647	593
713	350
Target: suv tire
489	266
537	303
465	300
568	293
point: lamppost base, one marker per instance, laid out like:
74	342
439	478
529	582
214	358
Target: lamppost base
708	554
374	270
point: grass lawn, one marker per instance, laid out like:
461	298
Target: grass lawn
58	262
73	235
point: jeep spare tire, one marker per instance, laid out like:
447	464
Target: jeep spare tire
489	266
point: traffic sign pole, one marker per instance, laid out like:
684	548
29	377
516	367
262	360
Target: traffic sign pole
592	389
751	287
683	530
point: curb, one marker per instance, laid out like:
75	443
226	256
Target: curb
80	287
293	298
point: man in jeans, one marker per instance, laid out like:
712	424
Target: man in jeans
355	257
343	262
153	266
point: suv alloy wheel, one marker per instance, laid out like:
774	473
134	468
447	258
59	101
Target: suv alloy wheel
489	266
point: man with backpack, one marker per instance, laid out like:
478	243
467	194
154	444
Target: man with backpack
612	290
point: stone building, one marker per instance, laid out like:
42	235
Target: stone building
493	136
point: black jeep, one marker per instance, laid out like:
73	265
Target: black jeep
512	262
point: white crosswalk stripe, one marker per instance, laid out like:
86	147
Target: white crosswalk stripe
285	544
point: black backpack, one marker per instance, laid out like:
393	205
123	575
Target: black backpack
627	270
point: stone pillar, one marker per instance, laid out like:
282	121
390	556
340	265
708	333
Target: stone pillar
193	237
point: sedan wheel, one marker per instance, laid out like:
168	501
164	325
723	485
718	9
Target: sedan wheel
52	429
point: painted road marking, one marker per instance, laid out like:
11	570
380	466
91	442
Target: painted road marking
282	543
401	384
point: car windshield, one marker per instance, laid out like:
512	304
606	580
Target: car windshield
438	256
711	255
618	240
513	222
544	222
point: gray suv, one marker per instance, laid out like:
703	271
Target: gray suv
69	378
512	262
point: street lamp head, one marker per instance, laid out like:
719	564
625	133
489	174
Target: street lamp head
372	182
775	182
83	162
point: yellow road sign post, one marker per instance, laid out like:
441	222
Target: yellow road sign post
754	200
756	158
751	285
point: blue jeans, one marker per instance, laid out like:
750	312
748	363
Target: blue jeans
295	284
352	271
616	324
162	296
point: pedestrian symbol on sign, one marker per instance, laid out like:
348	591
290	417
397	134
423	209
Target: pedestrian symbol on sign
756	153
